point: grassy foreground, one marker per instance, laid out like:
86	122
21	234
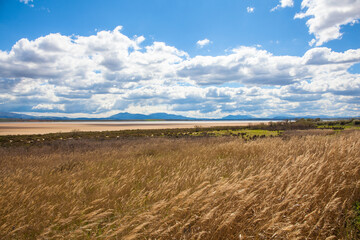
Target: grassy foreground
295	187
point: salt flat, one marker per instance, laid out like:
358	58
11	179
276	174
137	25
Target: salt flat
24	128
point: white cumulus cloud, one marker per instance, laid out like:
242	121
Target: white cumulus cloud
250	9
28	2
327	17
43	106
283	4
202	43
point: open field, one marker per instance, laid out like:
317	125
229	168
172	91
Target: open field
251	131
302	185
24	128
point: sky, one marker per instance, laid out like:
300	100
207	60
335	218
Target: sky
203	58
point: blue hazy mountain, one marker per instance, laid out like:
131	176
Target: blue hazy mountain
237	117
157	116
16	116
154	116
119	116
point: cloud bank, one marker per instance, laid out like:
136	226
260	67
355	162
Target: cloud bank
110	72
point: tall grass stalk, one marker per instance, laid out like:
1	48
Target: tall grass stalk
159	188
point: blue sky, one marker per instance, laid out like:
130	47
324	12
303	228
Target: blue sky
179	23
195	58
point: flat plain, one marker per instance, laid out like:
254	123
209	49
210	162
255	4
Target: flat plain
298	184
24	128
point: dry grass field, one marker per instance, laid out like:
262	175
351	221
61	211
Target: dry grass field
303	186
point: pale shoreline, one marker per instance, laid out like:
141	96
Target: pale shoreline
28	128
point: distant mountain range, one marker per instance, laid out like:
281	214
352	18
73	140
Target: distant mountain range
154	116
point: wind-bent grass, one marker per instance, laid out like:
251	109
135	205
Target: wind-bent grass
188	188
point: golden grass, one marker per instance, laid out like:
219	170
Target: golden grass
205	188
